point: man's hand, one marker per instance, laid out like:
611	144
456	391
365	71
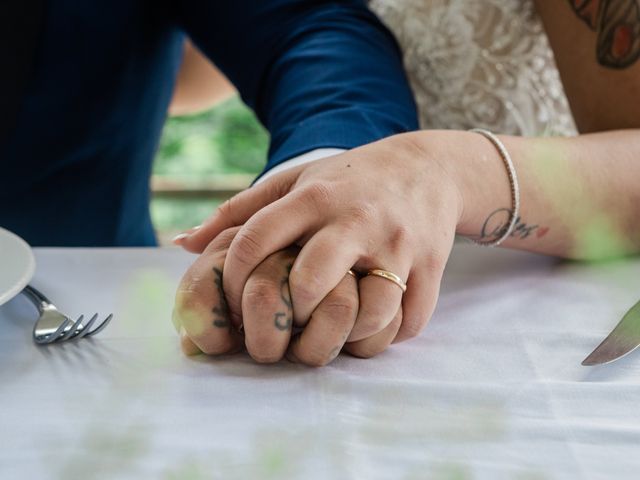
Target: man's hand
267	322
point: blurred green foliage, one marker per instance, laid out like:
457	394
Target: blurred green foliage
171	217
227	139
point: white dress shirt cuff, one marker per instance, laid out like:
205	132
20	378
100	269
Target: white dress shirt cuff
301	160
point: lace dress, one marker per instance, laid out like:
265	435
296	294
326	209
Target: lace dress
478	63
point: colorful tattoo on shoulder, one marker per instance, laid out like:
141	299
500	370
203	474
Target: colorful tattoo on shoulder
617	23
497	223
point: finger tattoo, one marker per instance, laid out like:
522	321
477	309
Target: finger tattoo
221	311
283	320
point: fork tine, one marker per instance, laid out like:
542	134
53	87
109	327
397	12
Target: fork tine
100	327
55	335
85	328
72	330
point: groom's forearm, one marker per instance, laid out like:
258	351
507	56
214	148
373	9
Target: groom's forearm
319	74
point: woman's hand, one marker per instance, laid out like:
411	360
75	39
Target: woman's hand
396	205
392	205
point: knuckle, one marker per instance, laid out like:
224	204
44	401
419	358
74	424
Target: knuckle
400	239
436	262
222	241
277	262
224	209
261	294
367	327
304	284
247	246
340	307
227	209
319	194
373	313
363	214
302	294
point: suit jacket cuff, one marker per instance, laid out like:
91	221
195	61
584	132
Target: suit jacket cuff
341	129
308	157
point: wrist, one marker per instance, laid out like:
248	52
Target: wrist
495	191
473	169
433	157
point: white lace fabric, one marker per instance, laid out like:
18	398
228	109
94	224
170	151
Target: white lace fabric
485	64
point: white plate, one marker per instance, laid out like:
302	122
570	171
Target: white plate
17	265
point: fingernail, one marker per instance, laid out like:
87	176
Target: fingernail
179	238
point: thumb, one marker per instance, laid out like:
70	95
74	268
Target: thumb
237	210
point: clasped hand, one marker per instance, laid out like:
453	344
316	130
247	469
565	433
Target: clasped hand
273	274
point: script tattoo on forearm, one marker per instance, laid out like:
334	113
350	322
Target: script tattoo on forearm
617	23
221	311
283	320
496	224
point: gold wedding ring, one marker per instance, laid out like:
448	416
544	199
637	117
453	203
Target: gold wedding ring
353	274
376	272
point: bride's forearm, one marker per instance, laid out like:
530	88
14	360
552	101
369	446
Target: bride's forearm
580	197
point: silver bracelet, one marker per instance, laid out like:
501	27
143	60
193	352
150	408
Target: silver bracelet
515	188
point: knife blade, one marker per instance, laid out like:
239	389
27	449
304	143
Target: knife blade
623	340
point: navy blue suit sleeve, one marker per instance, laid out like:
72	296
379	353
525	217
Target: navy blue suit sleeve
318	73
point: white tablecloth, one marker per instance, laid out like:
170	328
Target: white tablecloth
493	388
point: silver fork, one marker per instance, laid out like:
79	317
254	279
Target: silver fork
53	326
